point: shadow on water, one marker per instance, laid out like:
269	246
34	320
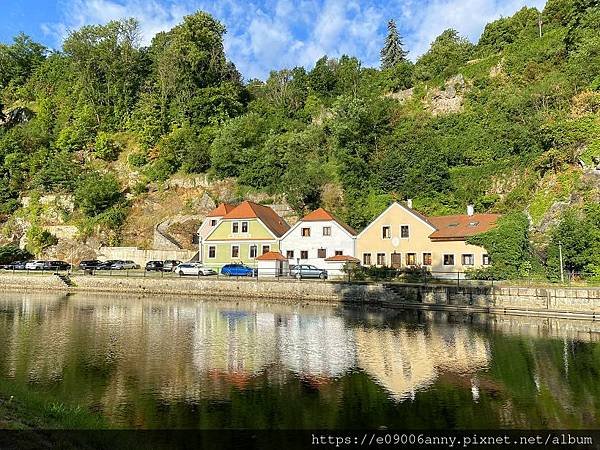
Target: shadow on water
155	362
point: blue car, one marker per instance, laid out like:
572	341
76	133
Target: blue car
237	270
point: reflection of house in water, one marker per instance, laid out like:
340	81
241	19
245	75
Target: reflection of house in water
317	346
233	343
405	361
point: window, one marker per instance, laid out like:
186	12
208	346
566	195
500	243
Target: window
448	260
244	227
381	259
213	222
235	227
487	260
253	250
366	259
321	253
326	231
468	260
235	251
305	232
339	252
303	254
290	254
404	231
426	259
212	251
386	232
411	259
265	249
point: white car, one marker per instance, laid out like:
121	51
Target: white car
35	265
193	269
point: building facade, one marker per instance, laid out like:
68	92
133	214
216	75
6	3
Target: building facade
402	237
242	234
210	223
316	238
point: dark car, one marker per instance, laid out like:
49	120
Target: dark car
156	266
57	265
15	265
238	270
107	265
307	271
170	264
89	264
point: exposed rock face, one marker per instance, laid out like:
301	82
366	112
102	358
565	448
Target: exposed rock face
401	96
449	99
16	116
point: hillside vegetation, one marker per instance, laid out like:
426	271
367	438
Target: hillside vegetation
510	124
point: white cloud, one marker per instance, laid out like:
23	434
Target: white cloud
273	34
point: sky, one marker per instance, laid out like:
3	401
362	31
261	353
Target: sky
265	35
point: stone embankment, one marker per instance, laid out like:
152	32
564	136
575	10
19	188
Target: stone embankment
548	301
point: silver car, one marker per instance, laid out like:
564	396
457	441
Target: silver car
195	269
122	265
307	271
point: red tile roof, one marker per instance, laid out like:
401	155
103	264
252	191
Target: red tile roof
461	226
342	258
221	210
271	256
251	210
319	215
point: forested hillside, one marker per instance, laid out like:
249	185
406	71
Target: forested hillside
510	123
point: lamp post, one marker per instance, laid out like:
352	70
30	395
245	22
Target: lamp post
560	258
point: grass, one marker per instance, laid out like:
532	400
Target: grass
27	407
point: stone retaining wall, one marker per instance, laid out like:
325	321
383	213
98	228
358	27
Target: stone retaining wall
582	300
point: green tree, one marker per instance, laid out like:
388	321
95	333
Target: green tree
96	193
392	52
446	55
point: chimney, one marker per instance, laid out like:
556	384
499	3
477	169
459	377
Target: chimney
409	203
470	210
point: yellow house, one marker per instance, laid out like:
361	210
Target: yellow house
402	237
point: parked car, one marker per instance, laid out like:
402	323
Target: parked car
89	264
15	265
170	264
193	269
238	270
107	265
123	265
307	271
154	266
57	265
35	265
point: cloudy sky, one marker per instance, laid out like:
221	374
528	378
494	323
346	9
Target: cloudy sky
270	34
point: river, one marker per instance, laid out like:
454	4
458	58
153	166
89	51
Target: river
157	362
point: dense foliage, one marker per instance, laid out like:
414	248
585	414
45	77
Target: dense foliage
339	135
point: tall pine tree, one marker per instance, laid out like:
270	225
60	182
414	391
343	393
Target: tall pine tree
392	52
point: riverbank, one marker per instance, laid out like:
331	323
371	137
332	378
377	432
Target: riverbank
583	303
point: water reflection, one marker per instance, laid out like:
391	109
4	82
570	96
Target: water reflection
163	362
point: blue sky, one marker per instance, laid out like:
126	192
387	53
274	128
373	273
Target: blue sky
270	34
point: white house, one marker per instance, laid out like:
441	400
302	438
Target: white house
317	237
210	222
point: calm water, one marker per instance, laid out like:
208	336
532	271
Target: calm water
156	363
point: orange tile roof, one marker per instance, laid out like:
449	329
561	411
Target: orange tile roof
271	256
221	210
251	210
461	226
342	258
321	214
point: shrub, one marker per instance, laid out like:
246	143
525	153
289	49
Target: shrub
97	192
11	253
106	148
39	239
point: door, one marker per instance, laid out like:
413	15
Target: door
396	260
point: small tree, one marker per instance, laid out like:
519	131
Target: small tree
392	52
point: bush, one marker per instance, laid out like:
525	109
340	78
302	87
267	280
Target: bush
138	159
106	148
11	253
39	239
